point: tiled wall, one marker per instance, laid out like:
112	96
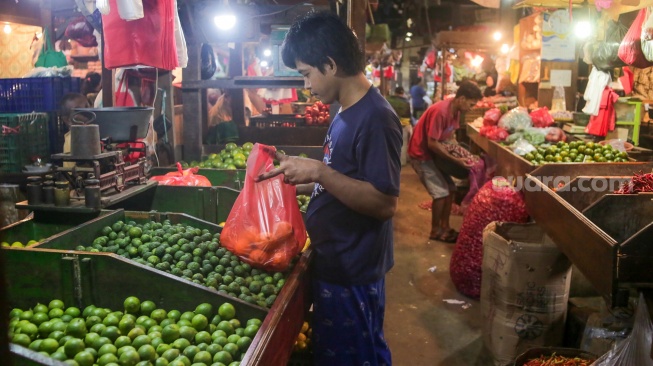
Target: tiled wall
15	52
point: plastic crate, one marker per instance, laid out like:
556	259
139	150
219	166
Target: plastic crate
23	138
35	94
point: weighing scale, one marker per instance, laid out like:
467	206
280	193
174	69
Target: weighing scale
97	139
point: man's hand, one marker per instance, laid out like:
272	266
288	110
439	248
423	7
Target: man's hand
465	162
296	170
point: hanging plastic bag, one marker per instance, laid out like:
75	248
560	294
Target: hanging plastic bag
81	31
516	119
124	96
634	350
647	35
605	54
630	50
265	227
149	41
49	57
188	177
208	64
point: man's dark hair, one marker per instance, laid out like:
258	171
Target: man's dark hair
91	82
64	109
417	81
399	90
469	90
315	37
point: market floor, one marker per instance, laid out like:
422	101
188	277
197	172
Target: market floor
420	327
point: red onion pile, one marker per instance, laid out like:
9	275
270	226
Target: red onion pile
497	200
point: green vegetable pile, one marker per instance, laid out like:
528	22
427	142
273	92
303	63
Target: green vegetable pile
576	152
142	334
192	254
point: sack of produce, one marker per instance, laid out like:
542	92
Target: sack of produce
541	117
188	178
491	117
265	227
517	119
494	133
497	200
524	291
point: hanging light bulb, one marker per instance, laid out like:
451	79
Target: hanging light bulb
409	34
225	19
39	35
7	28
264	63
497	36
505	48
267	52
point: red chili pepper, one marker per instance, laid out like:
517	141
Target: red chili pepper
640	182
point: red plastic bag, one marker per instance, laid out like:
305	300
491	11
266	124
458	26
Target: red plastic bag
148	41
182	177
491	117
542	118
265	227
630	51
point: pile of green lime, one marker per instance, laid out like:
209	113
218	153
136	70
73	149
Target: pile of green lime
192	254
576	152
141	334
231	157
302	201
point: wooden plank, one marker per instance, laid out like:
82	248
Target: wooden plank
193	105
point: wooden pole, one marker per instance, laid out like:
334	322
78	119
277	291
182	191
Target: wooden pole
356	19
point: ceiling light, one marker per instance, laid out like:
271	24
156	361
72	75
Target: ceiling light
264	63
225	21
409	34
39	35
505	48
267	52
583	29
407	39
7	28
497	36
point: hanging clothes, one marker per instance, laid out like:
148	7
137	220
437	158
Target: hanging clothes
605	120
598	80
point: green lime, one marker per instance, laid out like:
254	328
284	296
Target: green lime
227	311
132	305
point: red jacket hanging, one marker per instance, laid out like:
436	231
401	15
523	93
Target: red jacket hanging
604	122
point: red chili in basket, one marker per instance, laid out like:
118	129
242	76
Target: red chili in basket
640	182
555	360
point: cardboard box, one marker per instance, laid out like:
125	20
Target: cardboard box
524	290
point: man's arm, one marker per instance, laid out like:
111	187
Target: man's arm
358	195
438	149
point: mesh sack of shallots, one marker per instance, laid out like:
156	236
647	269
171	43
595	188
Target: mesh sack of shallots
497	200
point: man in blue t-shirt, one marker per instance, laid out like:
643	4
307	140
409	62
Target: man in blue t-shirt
355	190
417	94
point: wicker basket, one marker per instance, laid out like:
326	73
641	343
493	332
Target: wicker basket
548	351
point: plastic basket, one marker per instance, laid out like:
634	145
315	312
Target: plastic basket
35	94
23	138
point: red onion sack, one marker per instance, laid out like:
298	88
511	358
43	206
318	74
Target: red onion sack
497	200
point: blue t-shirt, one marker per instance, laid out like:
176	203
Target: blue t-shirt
417	94
364	143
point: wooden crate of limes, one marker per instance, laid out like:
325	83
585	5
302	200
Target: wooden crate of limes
151	319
